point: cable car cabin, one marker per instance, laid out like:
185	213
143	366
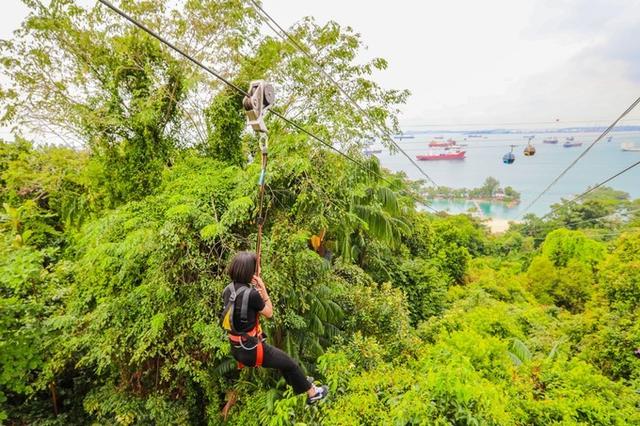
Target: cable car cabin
529	151
508	158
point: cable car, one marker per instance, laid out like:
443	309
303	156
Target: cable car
509	157
529	150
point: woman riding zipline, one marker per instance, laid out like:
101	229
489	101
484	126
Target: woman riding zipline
244	304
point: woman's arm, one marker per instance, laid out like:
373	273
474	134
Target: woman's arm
267	311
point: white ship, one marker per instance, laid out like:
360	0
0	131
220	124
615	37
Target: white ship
630	147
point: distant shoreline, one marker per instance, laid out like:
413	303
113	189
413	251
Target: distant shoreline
500	131
509	204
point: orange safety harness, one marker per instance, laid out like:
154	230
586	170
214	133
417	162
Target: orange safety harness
256	332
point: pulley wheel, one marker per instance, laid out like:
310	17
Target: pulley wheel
269	94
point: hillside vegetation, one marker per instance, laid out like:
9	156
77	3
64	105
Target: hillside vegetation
112	254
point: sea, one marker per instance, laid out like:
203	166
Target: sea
527	175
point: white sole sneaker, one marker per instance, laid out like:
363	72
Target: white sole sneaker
321	393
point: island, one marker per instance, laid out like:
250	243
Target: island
489	191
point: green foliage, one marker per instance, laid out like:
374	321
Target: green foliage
225	124
112	257
565	272
621	274
50	186
563	245
617	332
378	311
569	287
131	89
29	296
425	286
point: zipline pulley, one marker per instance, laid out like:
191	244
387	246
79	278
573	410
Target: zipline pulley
261	96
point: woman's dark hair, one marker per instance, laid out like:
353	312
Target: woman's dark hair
242	267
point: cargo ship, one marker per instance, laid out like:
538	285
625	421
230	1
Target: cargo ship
458	155
441	144
630	147
571	143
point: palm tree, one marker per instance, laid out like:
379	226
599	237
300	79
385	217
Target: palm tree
375	212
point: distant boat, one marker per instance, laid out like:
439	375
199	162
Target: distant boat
458	155
439	137
371	151
570	144
441	144
570	138
630	147
404	136
550	140
609	138
474	136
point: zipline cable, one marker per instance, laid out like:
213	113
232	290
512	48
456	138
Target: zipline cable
593	219
588	191
609	234
288	38
243	92
573	163
628	212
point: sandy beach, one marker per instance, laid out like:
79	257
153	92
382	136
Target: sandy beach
498	226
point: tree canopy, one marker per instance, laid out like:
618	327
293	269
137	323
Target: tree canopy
113	251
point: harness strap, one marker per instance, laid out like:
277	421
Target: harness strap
259	354
259	357
254	332
230	293
244	309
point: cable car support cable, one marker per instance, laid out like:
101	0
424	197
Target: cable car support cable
588	191
582	154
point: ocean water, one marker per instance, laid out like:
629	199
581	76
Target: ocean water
527	175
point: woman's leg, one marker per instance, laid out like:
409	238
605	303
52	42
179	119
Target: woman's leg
293	374
245	357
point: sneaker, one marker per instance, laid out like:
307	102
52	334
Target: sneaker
321	393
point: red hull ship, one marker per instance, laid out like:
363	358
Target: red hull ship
441	144
459	155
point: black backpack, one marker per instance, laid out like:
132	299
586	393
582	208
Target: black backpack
229	297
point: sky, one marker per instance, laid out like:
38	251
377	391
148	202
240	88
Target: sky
496	61
488	62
